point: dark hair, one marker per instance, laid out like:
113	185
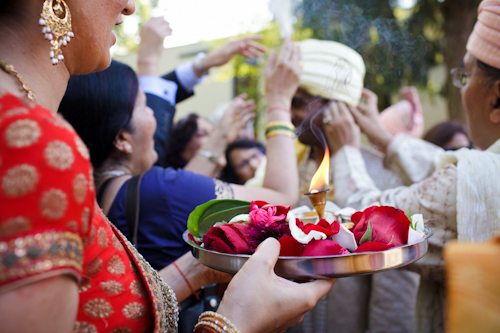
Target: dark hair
182	132
99	106
492	72
228	173
444	132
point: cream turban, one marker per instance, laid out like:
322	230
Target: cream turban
484	41
331	70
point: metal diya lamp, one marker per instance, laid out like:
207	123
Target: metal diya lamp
318	201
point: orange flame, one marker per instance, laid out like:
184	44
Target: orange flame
321	177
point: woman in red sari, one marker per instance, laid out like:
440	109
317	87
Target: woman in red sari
63	266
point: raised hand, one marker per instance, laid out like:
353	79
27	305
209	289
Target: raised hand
153	33
368	119
245	46
339	127
237	115
282	76
257	300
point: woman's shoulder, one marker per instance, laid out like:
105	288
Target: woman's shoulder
46	189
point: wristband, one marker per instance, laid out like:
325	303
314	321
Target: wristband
195	293
278	108
209	155
198	64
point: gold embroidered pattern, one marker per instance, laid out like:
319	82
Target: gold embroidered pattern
15	111
137	289
116	266
84	327
94	267
116	243
85	284
85	220
223	190
26	256
53	204
59	121
133	310
22	133
82	149
98	308
20	180
112	287
91	180
58	155
102	238
14	225
166	309
92	235
80	187
72	225
122	330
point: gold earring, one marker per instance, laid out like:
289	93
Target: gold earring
56	22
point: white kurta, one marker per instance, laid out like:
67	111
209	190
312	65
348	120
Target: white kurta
464	185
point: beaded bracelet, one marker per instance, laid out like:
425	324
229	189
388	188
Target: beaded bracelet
286	132
214	322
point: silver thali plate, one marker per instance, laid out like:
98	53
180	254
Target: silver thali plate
298	268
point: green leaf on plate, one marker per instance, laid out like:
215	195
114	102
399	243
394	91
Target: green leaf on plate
209	208
222	216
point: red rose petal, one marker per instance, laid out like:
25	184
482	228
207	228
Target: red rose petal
228	238
389	224
373	246
194	240
290	247
322	247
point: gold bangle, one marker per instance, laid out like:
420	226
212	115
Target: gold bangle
280	124
288	133
216	322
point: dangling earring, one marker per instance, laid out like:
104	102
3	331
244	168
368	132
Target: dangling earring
56	22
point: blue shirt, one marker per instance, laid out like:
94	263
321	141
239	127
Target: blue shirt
167	197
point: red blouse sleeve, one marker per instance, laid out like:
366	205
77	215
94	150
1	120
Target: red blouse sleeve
46	195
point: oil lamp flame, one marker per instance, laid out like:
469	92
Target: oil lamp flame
319	182
321	177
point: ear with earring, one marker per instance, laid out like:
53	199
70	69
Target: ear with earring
56	22
128	148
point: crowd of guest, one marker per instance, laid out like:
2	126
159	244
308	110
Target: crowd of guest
98	180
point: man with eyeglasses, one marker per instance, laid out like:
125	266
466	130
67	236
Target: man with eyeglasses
462	192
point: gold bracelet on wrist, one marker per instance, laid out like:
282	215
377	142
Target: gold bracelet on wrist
280	124
286	132
214	322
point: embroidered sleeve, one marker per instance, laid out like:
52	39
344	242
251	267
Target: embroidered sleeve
223	190
45	196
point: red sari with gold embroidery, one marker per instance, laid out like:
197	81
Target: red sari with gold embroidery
50	224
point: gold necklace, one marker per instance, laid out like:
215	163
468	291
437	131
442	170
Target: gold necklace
10	70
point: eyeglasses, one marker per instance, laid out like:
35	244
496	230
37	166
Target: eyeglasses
459	76
246	162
